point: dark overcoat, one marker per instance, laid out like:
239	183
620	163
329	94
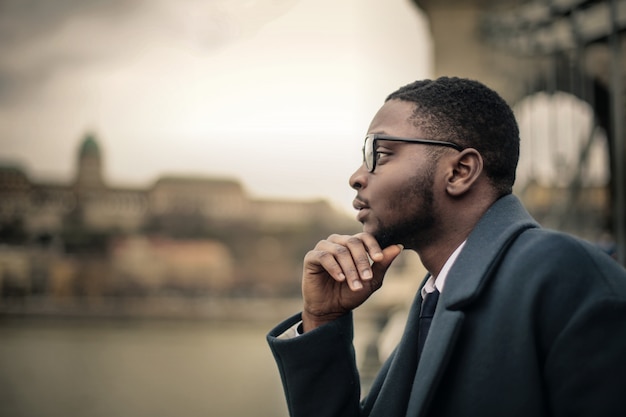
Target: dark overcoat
531	322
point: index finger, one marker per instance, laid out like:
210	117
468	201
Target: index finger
371	244
361	248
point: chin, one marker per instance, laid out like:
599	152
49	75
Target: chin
384	239
368	228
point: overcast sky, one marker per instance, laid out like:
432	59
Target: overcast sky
275	93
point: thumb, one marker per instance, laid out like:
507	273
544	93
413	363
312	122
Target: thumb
389	254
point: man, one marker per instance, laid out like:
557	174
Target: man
529	322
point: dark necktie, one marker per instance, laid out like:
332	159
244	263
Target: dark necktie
426	317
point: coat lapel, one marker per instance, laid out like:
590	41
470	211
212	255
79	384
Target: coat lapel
439	344
485	246
396	387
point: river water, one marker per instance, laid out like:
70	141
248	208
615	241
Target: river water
137	368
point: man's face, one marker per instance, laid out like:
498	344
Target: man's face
396	201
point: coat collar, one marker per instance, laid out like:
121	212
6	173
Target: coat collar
488	242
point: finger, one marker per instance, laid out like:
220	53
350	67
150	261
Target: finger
346	259
360	257
317	261
351	254
363	247
335	257
373	248
390	253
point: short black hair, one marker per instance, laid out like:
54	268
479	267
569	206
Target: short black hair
472	115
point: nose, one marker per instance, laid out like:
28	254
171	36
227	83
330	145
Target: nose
358	179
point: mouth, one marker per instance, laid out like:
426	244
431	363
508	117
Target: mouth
359	204
362	209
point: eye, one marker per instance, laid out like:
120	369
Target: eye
382	154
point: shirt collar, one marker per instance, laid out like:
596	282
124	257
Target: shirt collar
439	281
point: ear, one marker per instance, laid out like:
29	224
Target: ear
466	168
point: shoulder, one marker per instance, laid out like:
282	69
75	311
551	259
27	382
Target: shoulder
551	246
567	261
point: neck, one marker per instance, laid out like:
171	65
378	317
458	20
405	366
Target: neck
452	231
435	254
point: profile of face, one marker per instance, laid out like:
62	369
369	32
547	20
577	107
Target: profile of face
396	202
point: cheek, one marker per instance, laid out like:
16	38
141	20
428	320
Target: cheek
412	195
400	197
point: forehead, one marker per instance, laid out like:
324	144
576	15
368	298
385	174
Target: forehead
393	118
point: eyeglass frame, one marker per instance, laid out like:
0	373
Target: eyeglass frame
375	136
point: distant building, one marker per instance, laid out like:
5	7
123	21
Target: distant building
181	234
44	208
88	200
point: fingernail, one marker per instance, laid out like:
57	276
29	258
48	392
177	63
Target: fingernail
401	246
357	285
366	274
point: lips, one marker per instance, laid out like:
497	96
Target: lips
359	204
362	208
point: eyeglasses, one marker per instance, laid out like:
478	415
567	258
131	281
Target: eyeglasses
370	155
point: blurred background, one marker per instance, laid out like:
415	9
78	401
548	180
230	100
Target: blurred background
165	165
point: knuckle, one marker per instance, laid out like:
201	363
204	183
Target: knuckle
320	244
334	237
342	250
322	254
316	256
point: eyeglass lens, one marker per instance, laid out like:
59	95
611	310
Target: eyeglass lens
368	153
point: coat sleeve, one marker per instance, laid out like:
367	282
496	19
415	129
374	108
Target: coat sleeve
586	368
318	369
585	365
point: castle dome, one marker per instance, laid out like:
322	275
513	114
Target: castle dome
89	172
89	147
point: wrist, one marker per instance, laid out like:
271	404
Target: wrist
312	321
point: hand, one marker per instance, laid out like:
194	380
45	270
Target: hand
338	277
